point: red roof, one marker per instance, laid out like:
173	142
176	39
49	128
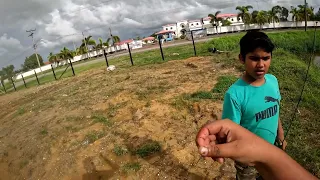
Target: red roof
124	42
148	39
164	32
46	63
227	15
221	16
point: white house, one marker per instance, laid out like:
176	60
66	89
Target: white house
170	27
195	25
148	40
182	28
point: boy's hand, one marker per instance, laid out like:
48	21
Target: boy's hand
226	139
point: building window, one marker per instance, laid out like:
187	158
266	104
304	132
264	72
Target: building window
191	24
171	28
197	23
232	19
239	18
167	29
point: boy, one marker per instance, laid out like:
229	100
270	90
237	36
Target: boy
253	101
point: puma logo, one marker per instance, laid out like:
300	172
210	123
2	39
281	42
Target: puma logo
271	99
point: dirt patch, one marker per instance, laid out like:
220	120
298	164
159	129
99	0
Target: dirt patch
90	126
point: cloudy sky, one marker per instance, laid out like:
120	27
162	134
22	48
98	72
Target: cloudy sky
60	23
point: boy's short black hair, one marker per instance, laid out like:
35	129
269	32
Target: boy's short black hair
253	40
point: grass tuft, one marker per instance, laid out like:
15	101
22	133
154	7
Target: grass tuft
148	149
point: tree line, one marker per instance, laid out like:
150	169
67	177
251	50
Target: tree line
274	15
87	44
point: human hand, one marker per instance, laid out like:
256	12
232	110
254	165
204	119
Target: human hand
225	139
281	143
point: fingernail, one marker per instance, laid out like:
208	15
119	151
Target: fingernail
203	151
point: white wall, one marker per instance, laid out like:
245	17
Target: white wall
236	28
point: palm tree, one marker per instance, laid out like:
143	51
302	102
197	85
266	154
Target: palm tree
253	16
115	39
284	14
88	42
66	54
262	18
244	14
215	19
226	23
100	45
296	15
273	15
107	43
309	10
53	58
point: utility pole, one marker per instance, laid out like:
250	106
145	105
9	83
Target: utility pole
85	43
111	36
306	15
34	46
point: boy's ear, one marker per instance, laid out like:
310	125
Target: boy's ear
241	59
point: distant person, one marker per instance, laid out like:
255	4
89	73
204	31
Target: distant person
225	139
253	101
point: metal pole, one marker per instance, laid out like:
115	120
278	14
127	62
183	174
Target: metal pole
54	74
306	15
130	54
85	43
13	84
24	82
36	77
105	56
194	46
35	51
161	49
72	67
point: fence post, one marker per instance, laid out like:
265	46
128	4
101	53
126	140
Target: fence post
105	56
36	76
24	82
71	67
194	46
54	74
4	87
14	86
161	48
130	54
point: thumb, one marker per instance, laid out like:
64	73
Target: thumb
219	150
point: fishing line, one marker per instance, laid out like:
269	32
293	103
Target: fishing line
304	84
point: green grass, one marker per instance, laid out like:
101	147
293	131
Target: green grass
289	65
131	167
44	132
119	151
148	149
102	119
21	111
93	136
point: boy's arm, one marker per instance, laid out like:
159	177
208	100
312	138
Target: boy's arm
231	109
280	136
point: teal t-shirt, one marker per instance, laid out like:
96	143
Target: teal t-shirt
254	108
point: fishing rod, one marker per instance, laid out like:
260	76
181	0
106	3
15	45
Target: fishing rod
304	84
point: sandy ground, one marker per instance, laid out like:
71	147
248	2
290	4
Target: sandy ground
75	128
